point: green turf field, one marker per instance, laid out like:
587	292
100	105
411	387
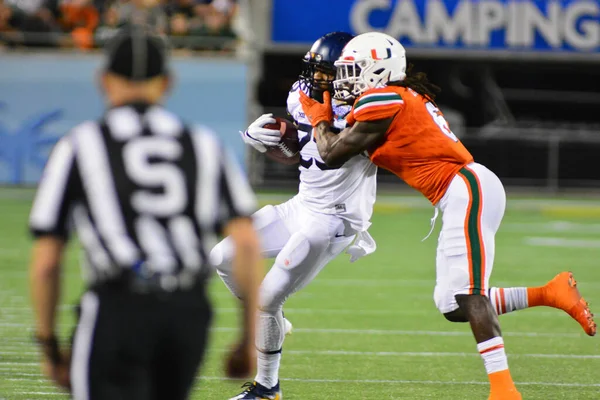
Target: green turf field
370	330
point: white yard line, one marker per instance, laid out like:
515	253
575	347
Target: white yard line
16	325
429	354
30	310
310	311
391	332
561	242
388	354
14	312
551	226
41	384
23	374
25	364
410	382
387	381
413	333
40	379
22	354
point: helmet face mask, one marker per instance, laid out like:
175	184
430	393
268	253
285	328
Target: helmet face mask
348	84
371	60
312	67
318	72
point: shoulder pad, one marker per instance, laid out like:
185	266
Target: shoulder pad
377	104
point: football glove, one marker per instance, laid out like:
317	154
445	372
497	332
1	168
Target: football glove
315	111
260	137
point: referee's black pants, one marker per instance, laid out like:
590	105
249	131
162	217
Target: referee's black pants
131	346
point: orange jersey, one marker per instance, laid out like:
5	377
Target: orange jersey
419	146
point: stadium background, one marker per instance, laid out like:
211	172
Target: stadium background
520	84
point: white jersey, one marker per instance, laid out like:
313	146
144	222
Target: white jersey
347	191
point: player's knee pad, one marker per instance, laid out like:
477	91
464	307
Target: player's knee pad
444	299
270	332
294	252
222	255
282	279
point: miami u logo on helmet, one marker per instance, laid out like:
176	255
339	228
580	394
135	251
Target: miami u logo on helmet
375	57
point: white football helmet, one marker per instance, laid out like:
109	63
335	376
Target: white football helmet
368	61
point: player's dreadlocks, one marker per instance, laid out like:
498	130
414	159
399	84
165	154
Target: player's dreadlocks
418	82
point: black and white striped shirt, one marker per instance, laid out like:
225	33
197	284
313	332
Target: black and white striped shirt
145	193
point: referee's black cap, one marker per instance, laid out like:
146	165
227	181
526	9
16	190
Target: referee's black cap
137	55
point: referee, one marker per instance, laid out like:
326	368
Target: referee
147	196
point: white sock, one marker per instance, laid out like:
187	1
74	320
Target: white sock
508	300
494	357
268	369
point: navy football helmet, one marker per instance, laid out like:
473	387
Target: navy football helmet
320	58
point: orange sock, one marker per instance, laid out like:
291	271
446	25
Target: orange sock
501	381
536	296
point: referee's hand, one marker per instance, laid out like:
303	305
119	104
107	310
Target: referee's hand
241	361
56	362
59	372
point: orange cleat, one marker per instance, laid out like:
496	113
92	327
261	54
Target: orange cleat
506	395
561	292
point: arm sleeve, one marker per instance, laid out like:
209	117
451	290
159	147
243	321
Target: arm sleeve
49	214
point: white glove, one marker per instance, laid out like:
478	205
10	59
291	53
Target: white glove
259	137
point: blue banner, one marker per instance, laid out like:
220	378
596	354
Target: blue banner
514	25
43	96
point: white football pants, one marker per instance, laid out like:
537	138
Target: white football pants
472	210
302	242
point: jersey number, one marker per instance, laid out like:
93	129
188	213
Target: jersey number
308	162
439	119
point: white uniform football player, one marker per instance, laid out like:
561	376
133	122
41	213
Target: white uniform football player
331	213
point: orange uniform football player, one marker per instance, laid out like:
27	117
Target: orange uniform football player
395	119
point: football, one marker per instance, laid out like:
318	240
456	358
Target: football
288	149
